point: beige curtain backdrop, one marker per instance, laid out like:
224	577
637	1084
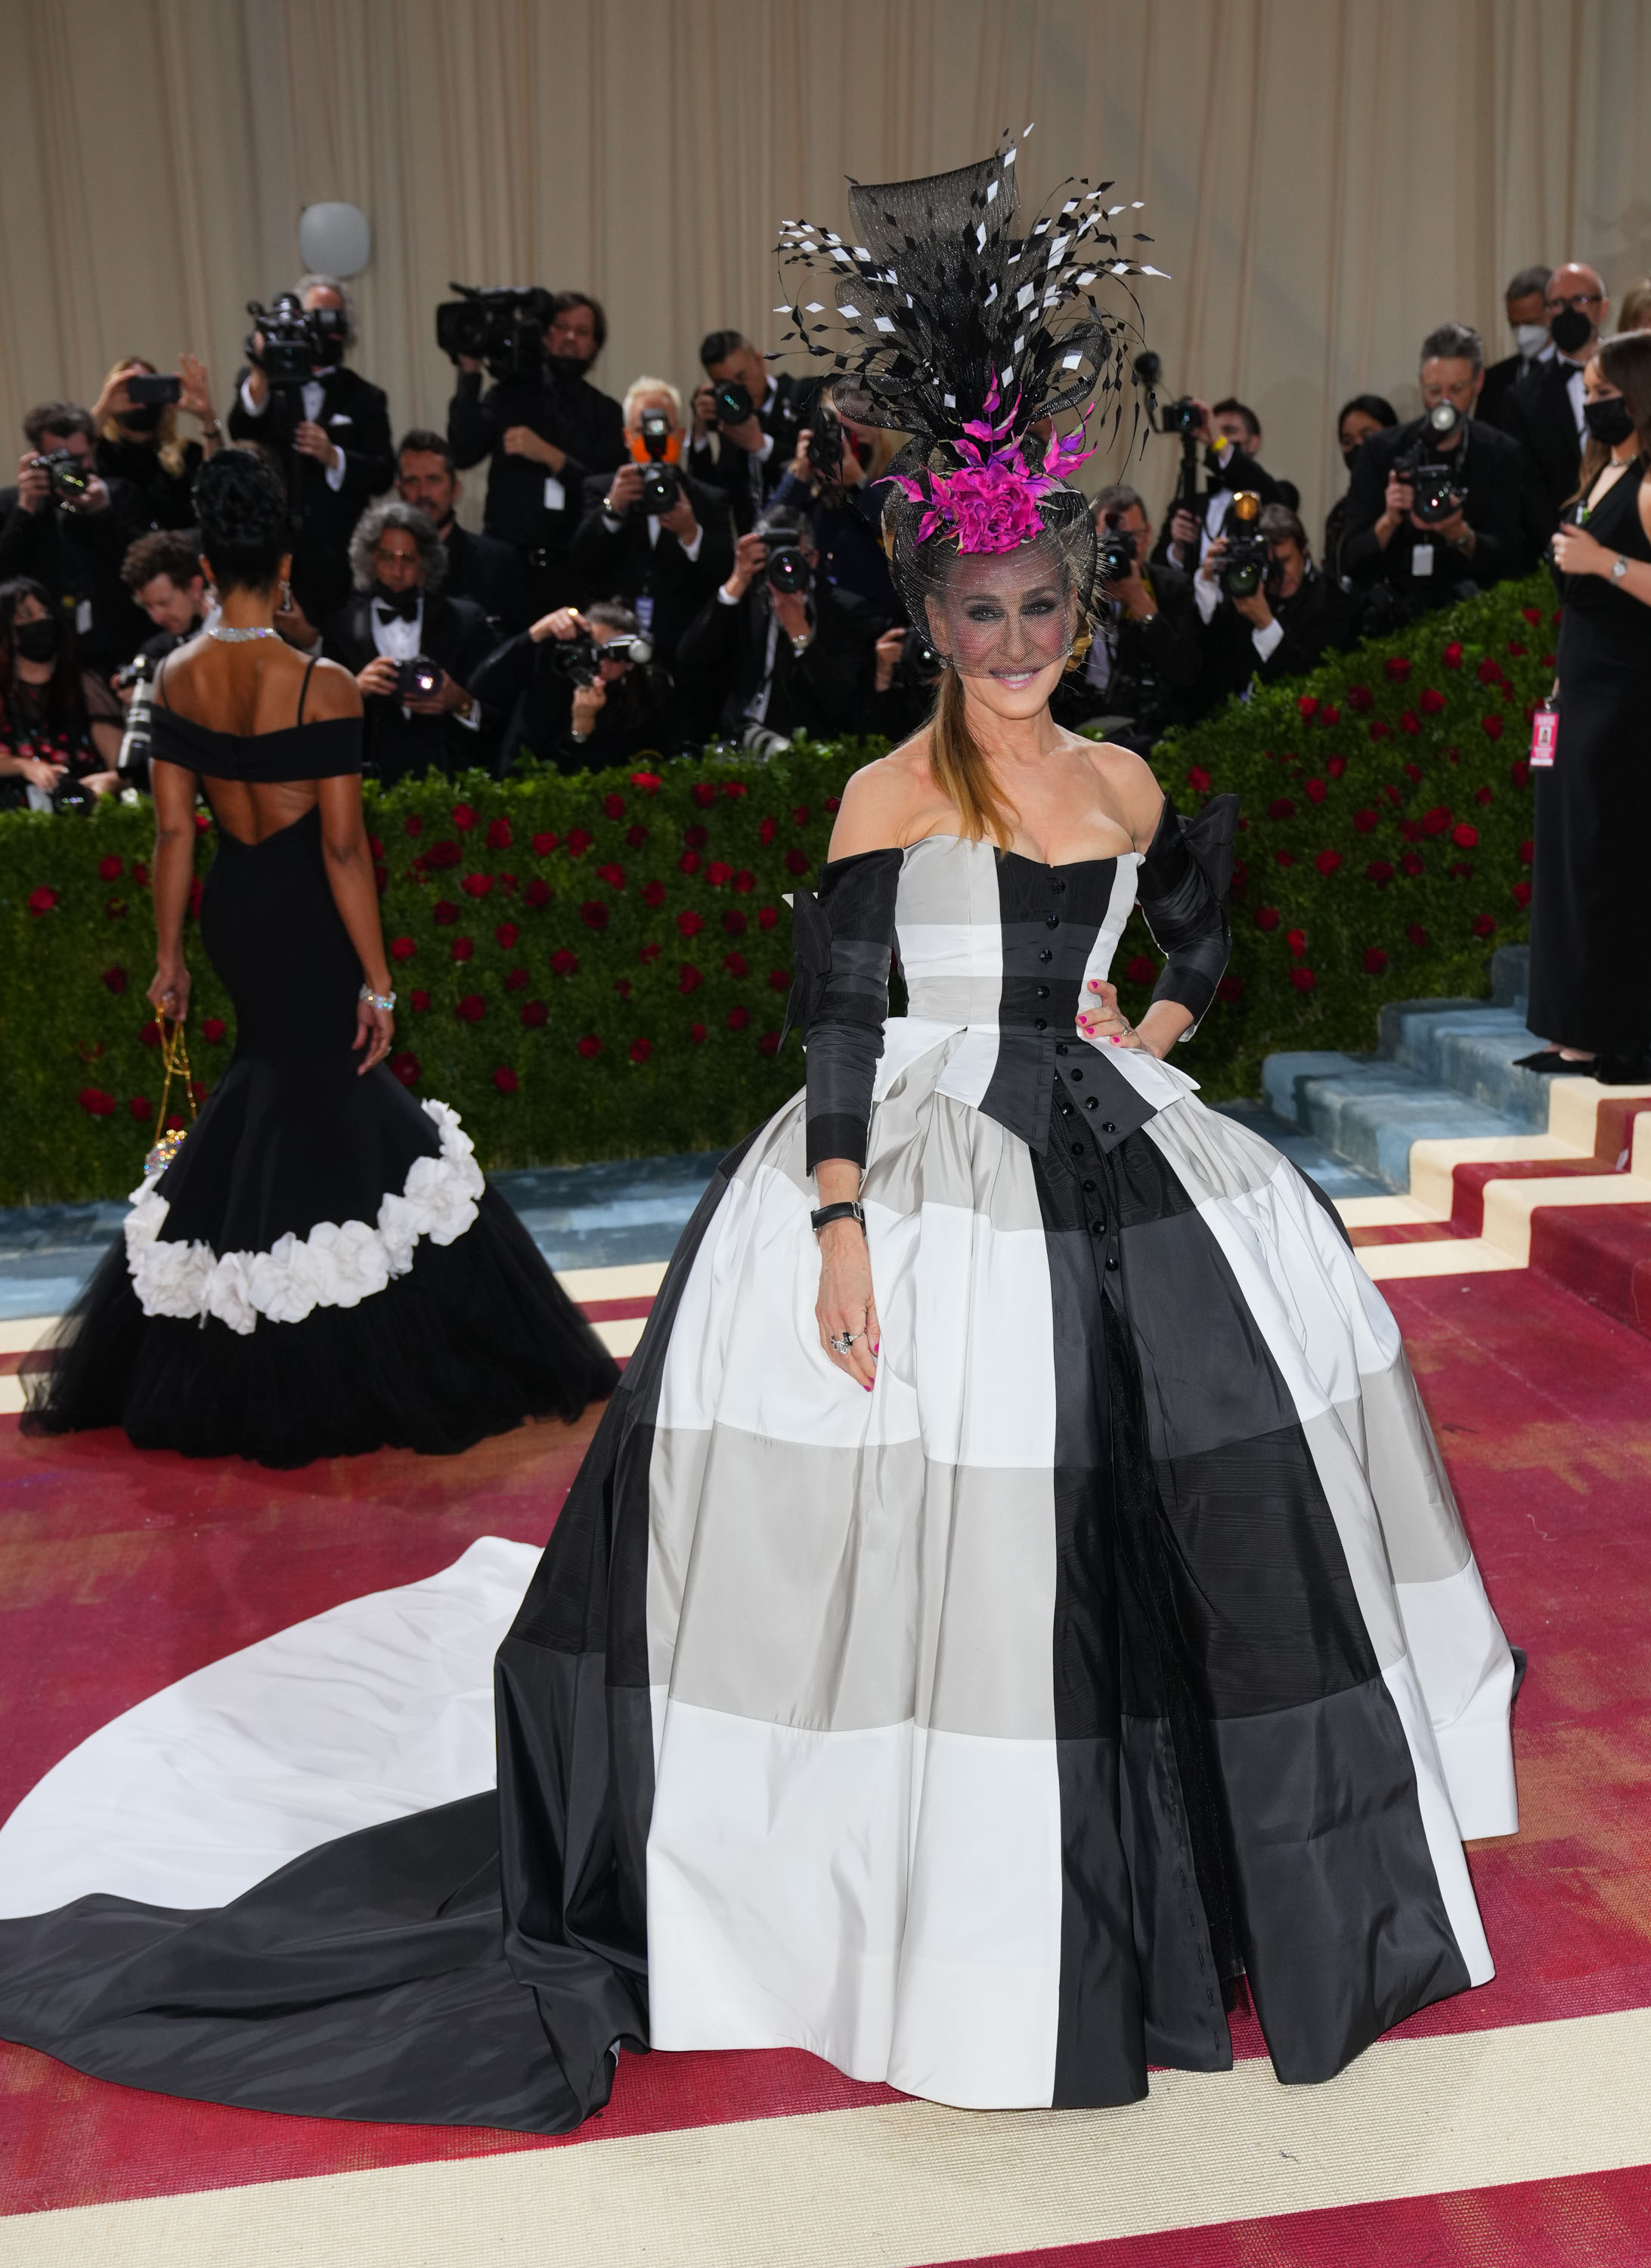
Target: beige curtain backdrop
1324	178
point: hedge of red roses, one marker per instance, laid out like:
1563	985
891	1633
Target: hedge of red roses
597	967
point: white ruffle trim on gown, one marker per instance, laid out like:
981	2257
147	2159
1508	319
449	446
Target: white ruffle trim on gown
334	1266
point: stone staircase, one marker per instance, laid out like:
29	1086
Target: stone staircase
1451	1159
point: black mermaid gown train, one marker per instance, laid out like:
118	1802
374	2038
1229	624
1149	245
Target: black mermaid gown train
322	1269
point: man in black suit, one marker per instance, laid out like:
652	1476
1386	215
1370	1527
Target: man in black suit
1141	671
71	534
1408	562
610	714
1544	412
399	616
752	449
1526	301
331	432
663	566
543	435
783	660
1231	435
479	567
1285	629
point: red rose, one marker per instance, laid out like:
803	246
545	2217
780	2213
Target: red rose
421	1002
1490	671
534	1014
498	835
1330	714
717	874
1197	779
402	948
413	824
1381	731
42	900
110	868
735	964
1412	864
579	842
1414	772
653	894
734	922
1452	655
1303	979
704	794
796	862
1411	830
694	838
1514	647
769	1044
779	980
472	1008
688	862
635	836
1482	795
1367	822
515	980
1307	703
444	911
1141	970
476	886
463	817
738	1019
767	831
593	914
1374	960
1464	837
203	825
439	856
650	952
1521	894
149	1035
1482	925
95	1102
537	892
1380	873
213	1030
1314	790
543	844
613	876
1397	668
640	1050
506	934
505	1080
1296	939
1519	771
406	1067
1490	727
1410	722
1417	935
1266	917
767	916
802	816
689	923
833	803
114	978
140	1106
564	963
1230	989
735	788
1335	766
1433	701
1284	857
140	873
1327	861
745	880
590	1046
1436	821
461	948
697	1033
648	781
1281	808
1527	852
1359	697
690	980
613	805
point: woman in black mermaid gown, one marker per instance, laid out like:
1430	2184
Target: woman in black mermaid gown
321	1269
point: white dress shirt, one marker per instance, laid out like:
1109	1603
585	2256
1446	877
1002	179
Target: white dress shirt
314	396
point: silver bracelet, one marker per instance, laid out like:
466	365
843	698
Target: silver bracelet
383	1001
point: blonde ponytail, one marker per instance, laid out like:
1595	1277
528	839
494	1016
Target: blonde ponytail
958	764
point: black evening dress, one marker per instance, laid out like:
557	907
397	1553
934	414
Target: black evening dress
975	1732
1590	983
321	1269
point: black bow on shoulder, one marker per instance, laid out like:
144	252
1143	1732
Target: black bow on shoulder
811	961
402	608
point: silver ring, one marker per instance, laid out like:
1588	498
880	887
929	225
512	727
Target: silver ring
841	1342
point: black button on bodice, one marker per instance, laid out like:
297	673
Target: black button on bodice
1046	954
1066	1110
1042	991
1058	884
1077	1149
1062	1047
1076	1077
1112	1260
1040	1023
1108	1126
1097	1228
1088	1188
1051	920
1092	1102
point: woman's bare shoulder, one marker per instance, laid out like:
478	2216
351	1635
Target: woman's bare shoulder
1130	786
884	801
333	692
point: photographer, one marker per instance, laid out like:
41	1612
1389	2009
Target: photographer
412	651
479	567
330	429
65	527
785	649
833	478
1231	436
663	562
755	417
60	725
544	434
1141	671
1542	411
1436	507
575	703
1282	627
139	441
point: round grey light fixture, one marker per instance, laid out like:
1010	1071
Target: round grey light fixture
335	239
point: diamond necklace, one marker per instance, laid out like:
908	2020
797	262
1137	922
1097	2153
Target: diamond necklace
229	636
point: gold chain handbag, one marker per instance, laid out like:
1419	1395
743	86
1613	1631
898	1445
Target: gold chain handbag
174	1056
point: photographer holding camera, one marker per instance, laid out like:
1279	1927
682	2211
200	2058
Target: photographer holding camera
1279	622
479	567
582	692
653	536
64	526
541	425
1231	438
1436	508
834	480
1141	671
412	651
785	649
330	428
755	417
136	420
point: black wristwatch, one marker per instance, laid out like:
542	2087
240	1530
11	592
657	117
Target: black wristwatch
851	1208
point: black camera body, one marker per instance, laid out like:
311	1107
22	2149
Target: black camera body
581	656
826	444
1181	417
69	476
502	325
1439	487
787	569
419	677
297	340
1244	563
661	483
1117	552
921	664
732	401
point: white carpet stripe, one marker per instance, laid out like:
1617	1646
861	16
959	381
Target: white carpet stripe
910	2183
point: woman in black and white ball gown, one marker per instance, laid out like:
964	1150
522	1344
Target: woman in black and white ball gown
1014	1593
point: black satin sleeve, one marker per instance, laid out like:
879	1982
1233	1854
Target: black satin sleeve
1183	891
841	943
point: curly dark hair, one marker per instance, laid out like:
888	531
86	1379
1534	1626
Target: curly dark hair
244	527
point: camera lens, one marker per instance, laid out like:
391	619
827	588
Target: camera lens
734	403
787	571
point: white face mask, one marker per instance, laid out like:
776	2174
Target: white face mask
1530	339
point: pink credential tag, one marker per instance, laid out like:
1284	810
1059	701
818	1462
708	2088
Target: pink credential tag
1544	738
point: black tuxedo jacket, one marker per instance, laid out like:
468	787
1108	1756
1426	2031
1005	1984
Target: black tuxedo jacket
749	482
456	635
1319	618
355	418
1233	472
620	562
588	426
1537	413
77	557
1496	509
482	568
724	650
1499	380
639	717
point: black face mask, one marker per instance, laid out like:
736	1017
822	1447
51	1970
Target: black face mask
566	365
142	417
1570	330
37	640
1610	420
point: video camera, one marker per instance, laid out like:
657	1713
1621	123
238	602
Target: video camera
298	340
581	656
1244	563
1438	488
661	483
502	325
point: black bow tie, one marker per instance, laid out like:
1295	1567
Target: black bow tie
404	609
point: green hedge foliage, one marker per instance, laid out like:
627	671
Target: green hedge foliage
597	967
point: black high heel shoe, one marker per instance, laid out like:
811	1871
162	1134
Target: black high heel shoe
1548	1063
